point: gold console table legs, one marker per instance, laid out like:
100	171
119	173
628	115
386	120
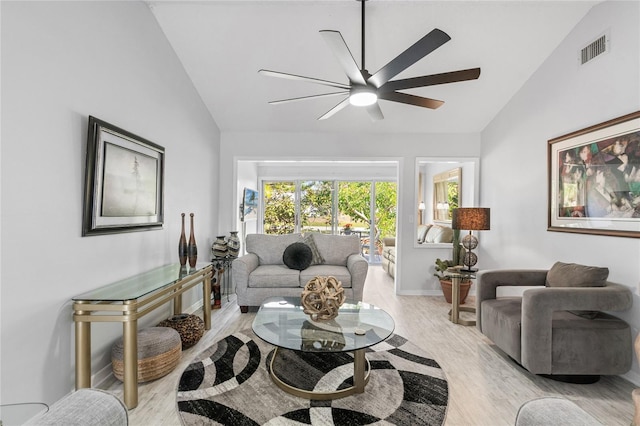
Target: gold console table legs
130	359
86	311
83	352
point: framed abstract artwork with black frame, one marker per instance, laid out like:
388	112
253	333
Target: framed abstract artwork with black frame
594	179
124	181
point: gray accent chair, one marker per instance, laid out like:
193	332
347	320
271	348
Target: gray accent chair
553	329
261	273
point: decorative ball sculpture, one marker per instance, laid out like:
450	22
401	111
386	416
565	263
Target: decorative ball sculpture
322	297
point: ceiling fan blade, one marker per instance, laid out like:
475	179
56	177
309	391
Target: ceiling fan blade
375	112
405	98
335	109
302	78
431	80
413	54
304	98
343	54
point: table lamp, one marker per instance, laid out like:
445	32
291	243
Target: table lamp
471	219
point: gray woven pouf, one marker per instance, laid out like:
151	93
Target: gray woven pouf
159	350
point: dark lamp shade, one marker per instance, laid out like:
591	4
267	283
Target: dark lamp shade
471	219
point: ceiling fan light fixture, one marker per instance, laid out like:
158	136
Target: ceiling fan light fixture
362	96
365	88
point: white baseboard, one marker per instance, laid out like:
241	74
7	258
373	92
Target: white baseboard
420	293
104	378
472	292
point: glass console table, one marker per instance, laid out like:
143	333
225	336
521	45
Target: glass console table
282	322
126	301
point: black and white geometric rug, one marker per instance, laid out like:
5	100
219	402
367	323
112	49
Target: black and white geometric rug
229	384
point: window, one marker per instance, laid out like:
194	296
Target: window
333	207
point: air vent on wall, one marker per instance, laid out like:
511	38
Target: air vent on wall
594	49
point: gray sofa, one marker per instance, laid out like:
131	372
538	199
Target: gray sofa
262	273
558	328
427	234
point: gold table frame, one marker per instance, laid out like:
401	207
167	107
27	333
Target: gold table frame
88	309
360	379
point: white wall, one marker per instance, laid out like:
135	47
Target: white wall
415	274
63	61
559	98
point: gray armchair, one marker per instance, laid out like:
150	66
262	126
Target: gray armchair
558	327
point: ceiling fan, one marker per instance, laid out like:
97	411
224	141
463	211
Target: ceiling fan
365	89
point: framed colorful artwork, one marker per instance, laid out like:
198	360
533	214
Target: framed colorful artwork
594	179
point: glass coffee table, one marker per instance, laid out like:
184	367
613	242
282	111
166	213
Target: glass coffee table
281	322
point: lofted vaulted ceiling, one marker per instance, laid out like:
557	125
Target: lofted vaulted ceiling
223	44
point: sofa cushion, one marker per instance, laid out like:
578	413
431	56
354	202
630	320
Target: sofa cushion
274	276
590	346
574	275
501	322
391	254
297	256
270	248
439	234
316	258
422	232
341	273
336	248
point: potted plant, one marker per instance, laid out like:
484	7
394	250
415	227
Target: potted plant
347	229
446	284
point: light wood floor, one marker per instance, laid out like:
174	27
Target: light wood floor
485	386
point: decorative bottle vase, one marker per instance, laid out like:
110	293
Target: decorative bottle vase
219	247
182	246
216	286
233	244
192	248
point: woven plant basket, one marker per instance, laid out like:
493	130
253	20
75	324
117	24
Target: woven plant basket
190	327
159	351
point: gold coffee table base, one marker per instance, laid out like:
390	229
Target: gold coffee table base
360	380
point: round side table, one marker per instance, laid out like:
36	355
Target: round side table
454	314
